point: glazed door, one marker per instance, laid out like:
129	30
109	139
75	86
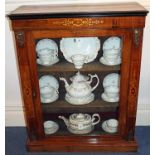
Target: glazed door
110	64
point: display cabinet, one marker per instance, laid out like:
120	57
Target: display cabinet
79	72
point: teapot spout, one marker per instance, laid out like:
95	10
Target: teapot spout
65	120
65	81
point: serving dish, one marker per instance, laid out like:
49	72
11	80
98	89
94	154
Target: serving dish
80	50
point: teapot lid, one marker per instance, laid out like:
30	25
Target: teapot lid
79	117
79	77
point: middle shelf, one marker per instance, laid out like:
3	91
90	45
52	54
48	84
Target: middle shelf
67	67
63	106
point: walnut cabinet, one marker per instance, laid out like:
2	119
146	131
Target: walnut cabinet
33	23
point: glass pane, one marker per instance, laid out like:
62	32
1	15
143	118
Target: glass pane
79	81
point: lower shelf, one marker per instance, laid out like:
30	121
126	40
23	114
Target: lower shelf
63	106
82	144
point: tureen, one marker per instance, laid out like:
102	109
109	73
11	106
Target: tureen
80	50
81	123
111	51
80	91
47	52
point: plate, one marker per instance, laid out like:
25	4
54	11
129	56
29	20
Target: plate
51	130
105	62
112	43
46	44
112	79
106	129
107	99
49	80
86	46
47	64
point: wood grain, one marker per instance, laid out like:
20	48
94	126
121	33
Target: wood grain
84	8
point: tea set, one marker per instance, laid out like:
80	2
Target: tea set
79	91
81	123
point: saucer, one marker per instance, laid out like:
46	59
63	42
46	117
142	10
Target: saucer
79	101
106	129
47	64
105	62
51	130
49	100
107	99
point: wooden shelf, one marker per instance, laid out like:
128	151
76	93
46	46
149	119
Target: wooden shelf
61	106
69	67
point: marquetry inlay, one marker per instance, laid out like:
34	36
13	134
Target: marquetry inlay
79	22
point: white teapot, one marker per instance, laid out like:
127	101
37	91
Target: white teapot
80	91
81	123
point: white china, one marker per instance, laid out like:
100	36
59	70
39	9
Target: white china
112	43
111	51
79	100
79	92
48	94
78	60
110	126
47	51
49	80
80	50
48	89
112	79
50	127
111	85
111	91
110	63
81	123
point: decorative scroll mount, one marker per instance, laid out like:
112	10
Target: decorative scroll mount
136	37
20	38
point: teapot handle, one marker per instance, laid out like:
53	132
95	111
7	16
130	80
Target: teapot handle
93	119
91	77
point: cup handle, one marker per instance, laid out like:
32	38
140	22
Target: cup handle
93	119
91	77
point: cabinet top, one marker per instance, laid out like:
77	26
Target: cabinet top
78	10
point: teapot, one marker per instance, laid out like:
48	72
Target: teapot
80	123
80	86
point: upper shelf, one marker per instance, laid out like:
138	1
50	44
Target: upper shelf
80	10
68	67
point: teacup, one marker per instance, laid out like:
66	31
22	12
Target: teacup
78	60
46	56
50	127
112	91
111	55
47	92
112	124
